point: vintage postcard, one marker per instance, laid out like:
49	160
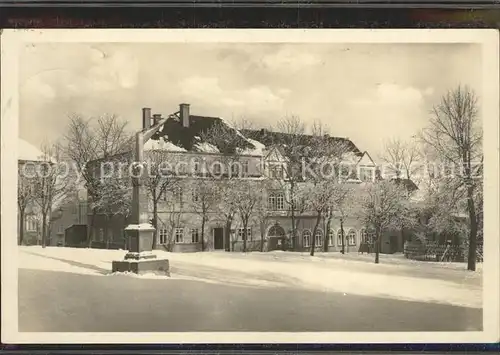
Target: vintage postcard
250	186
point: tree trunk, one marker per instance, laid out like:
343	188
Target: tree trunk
377	244
106	230
327	232
91	229
44	229
262	236
294	233
21	226
227	232
245	236
342	235
155	221
471	260
315	230
403	237
203	221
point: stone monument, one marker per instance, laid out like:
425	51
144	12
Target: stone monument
140	258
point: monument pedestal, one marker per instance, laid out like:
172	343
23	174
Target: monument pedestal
140	259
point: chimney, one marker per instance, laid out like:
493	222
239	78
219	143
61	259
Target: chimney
146	118
184	110
156	118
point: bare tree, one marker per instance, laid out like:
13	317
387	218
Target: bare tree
383	205
228	141
319	197
25	185
248	196
203	202
262	210
227	207
322	160
88	139
401	157
51	184
158	180
291	144
173	202
455	134
344	203
115	191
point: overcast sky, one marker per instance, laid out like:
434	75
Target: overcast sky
368	93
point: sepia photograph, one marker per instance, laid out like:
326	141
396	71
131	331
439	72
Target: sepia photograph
250	186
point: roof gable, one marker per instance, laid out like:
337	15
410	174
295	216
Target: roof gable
275	155
366	160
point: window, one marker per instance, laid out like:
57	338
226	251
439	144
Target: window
306	235
271	201
31	224
351	237
195	196
366	174
195	235
217	168
235	169
319	238
276	171
276	201
241	233
339	238
331	236
179	235
280	201
367	236
245	167
163	236
178	195
60	229
196	167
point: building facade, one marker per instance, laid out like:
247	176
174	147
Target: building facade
180	215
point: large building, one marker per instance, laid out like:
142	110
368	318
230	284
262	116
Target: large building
260	158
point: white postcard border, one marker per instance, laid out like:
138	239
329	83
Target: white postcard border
488	39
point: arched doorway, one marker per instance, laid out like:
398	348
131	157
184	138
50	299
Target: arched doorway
276	238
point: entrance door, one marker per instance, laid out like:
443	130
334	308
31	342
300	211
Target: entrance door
276	235
218	238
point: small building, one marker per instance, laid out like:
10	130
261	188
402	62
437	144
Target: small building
72	212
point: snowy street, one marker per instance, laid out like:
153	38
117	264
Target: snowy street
63	289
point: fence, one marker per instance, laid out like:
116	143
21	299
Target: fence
432	251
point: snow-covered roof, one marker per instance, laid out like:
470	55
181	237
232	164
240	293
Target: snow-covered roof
162	144
206	147
259	148
27	151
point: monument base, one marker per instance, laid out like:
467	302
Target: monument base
143	266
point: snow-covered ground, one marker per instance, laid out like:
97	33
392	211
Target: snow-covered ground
352	274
